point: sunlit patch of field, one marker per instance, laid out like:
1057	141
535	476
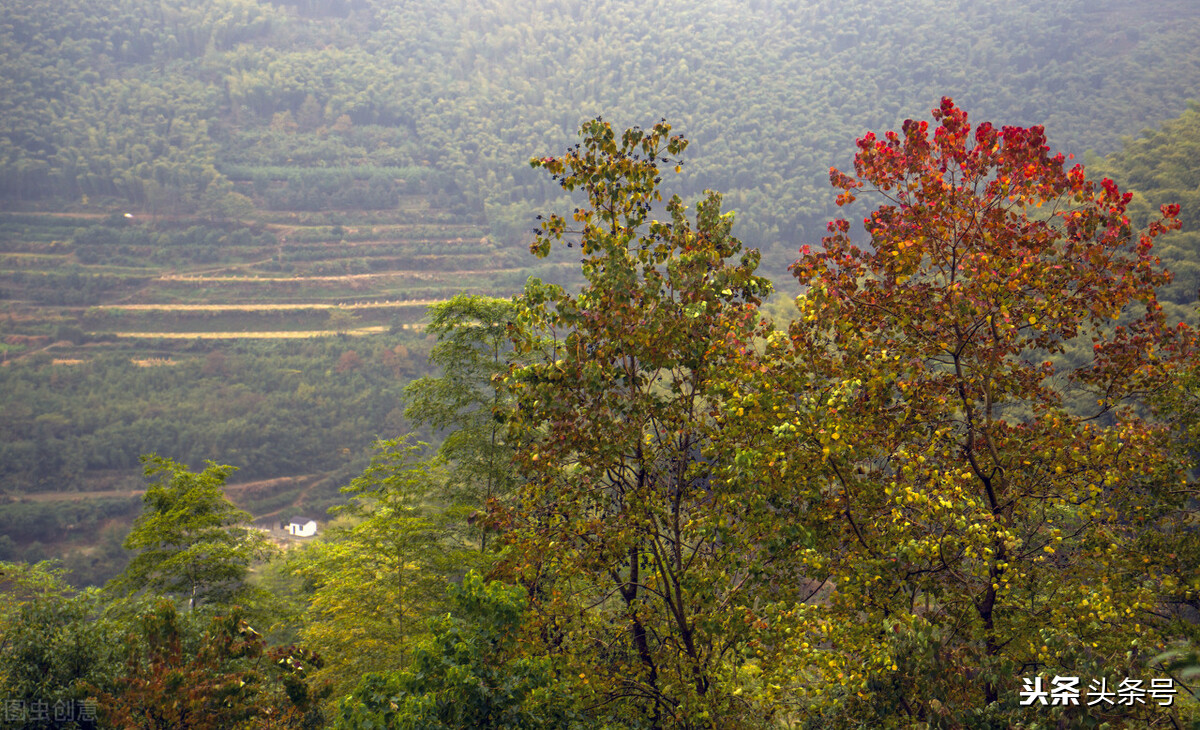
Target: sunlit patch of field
269	307
66	361
151	362
25	255
274	335
272	279
136	272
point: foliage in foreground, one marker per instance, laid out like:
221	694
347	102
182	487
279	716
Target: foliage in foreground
191	540
927	471
998	502
180	675
376	574
473	347
620	537
473	671
90	663
51	648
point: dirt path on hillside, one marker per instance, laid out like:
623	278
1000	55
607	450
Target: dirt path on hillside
31	353
269	307
230	489
262	335
422	275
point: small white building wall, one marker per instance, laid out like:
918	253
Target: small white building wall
308	529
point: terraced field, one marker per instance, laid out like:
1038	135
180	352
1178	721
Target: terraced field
289	275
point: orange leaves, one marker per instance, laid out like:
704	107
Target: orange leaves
967	468
990	243
841	180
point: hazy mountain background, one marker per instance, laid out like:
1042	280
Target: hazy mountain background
163	103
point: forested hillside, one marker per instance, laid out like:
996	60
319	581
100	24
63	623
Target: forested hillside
1161	167
172	107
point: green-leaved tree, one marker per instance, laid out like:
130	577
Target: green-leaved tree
471	672
192	542
382	569
621	535
473	348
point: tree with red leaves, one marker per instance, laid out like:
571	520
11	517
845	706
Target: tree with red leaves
958	419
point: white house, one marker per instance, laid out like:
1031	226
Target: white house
302	527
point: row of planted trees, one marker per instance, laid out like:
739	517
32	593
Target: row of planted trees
960	475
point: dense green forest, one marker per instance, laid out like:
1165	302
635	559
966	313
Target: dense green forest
176	107
323	394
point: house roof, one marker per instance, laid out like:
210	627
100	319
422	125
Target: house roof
301	520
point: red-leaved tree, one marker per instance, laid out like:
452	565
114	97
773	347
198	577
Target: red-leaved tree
959	421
